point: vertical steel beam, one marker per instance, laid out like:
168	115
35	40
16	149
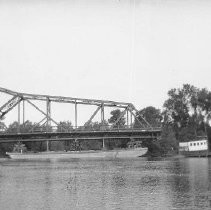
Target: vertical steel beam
48	112
102	116
131	119
37	108
23	112
76	115
19	117
48	122
127	118
102	121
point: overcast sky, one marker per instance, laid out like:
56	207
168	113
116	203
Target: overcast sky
131	51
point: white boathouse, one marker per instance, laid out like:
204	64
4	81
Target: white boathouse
198	145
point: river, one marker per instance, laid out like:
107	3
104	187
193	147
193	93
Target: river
174	183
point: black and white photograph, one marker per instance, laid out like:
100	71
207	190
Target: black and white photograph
105	104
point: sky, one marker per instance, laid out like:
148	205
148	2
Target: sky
122	50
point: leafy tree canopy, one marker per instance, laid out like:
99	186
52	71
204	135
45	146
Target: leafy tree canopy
64	126
187	109
151	115
115	115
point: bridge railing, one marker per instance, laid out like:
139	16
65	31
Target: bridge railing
71	129
93	129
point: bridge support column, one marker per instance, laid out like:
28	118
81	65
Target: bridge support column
103	144
47	146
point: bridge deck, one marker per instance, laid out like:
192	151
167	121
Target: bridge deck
83	135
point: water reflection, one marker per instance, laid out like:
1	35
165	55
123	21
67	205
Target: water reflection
188	180
119	184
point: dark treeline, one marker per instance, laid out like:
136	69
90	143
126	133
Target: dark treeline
185	115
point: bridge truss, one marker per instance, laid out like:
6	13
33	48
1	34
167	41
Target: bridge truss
145	131
17	98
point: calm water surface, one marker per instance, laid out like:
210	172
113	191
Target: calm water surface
179	183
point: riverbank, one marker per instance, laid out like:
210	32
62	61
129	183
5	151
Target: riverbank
161	154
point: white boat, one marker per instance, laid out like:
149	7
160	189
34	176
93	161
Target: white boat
196	148
135	150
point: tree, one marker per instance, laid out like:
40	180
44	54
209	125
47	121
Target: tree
96	125
65	126
115	115
168	141
204	102
151	115
4	147
13	127
180	109
2	126
179	104
25	128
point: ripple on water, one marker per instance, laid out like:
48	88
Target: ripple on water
119	184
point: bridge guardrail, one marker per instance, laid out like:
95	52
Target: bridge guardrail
72	129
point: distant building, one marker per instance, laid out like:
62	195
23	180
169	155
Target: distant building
194	148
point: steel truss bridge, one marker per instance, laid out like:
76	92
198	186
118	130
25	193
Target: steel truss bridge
48	129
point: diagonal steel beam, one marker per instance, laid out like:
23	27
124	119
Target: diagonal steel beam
37	108
9	105
121	115
93	115
45	114
137	118
141	117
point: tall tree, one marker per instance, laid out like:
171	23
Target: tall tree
180	107
179	104
204	102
